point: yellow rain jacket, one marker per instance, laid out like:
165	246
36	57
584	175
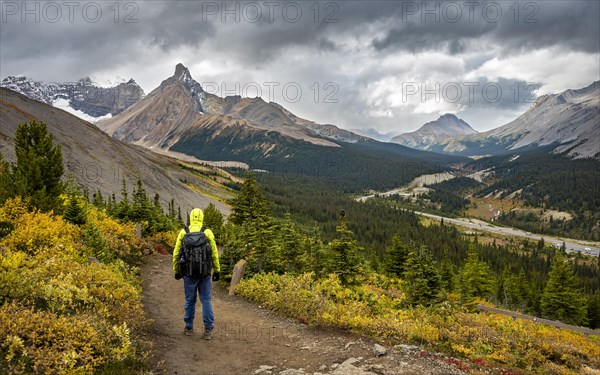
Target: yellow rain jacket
196	220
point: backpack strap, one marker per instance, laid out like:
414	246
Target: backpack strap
186	228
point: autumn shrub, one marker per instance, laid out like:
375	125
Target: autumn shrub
120	237
60	313
377	308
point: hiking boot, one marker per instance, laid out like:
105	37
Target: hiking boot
188	331
207	335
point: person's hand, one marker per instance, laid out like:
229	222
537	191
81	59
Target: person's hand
216	276
178	276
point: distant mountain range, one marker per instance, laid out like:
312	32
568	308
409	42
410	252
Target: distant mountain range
180	117
179	110
83	98
568	122
99	162
180	107
435	132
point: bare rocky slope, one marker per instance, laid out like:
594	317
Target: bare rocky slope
83	95
180	105
98	161
569	122
434	132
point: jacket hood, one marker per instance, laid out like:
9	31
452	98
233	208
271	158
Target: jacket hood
196	217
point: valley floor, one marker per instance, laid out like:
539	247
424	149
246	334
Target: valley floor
585	247
251	340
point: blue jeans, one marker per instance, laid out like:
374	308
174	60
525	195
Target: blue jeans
203	286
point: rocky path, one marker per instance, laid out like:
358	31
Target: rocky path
251	340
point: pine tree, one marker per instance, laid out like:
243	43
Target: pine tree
316	253
140	207
172	214
39	167
290	245
421	277
562	299
4	179
98	200
123	206
96	244
249	204
213	219
447	275
594	310
475	279
396	256
156	202
75	212
345	261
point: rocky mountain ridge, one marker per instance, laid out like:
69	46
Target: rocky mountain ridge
568	122
84	95
434	132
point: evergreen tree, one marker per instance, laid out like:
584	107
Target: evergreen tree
289	240
123	206
75	211
447	275
213	219
140	207
316	253
249	204
512	290
98	200
396	256
345	261
475	279
172	214
4	179
39	167
421	276
594	310
96	244
562	299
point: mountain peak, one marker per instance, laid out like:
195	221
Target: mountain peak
446	126
181	71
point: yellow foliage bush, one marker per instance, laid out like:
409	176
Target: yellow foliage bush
373	310
43	342
35	231
58	313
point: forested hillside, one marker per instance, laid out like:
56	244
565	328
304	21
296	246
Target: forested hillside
548	181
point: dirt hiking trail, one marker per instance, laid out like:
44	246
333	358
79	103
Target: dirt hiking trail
251	340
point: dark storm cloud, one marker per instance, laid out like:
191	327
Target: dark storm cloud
258	31
513	26
352	43
100	38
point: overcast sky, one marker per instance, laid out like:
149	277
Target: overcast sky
389	65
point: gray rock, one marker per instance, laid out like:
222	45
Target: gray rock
379	350
407	348
264	369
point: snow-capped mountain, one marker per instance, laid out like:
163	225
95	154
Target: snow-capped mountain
83	98
434	132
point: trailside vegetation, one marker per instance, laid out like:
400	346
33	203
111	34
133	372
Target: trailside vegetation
419	284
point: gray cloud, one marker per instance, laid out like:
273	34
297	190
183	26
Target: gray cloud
358	45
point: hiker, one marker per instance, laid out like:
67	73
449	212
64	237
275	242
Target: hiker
194	256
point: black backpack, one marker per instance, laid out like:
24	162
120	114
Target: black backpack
196	254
